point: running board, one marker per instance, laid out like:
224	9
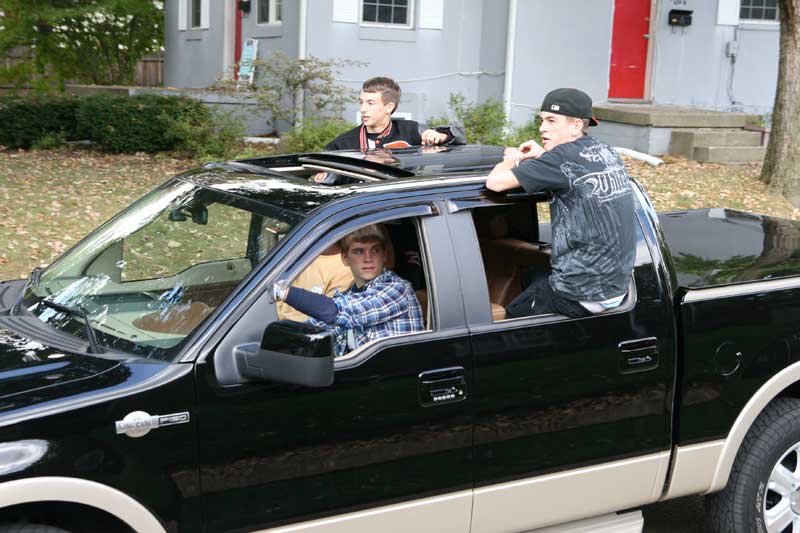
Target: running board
631	522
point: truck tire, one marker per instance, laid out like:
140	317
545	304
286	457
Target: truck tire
763	492
30	528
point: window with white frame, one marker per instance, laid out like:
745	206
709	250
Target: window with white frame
388	12
193	14
758	10
270	11
197	13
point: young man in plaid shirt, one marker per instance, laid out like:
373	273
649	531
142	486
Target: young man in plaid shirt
379	304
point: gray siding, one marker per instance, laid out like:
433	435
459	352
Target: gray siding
429	64
564	43
556	48
493	49
281	37
691	68
193	58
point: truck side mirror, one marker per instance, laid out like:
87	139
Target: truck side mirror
290	352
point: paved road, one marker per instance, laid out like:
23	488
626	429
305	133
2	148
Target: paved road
682	515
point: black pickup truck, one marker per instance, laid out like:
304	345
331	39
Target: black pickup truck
147	383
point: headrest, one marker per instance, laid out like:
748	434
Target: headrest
491	224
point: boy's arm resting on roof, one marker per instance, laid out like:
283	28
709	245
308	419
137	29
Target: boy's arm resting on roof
454	132
502	177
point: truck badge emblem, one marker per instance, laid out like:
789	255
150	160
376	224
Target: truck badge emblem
139	423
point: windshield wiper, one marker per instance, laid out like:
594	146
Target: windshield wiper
33	281
94	346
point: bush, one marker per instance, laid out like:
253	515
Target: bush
312	135
217	136
141	123
282	79
525	132
26	121
48	141
486	123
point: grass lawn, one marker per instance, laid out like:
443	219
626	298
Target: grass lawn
50	199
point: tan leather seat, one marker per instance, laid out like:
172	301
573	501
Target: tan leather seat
498	312
422	298
505	260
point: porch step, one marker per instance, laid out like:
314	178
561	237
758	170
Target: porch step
684	142
729	154
671	116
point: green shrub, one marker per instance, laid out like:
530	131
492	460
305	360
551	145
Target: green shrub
217	136
141	123
312	135
486	123
49	140
525	132
26	121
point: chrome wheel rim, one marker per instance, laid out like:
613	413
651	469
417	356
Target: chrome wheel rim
781	507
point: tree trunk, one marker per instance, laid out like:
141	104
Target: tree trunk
782	163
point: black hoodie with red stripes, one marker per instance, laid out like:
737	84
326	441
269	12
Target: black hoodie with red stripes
398	134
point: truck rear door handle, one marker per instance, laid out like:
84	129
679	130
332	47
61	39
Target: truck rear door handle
441	386
638	355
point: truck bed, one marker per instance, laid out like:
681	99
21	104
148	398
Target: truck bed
714	247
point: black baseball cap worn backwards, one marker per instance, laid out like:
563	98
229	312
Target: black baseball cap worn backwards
569	102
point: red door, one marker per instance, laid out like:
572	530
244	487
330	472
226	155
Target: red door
629	40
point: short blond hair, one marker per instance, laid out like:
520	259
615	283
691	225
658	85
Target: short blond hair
371	233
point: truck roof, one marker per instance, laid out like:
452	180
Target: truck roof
416	161
285	180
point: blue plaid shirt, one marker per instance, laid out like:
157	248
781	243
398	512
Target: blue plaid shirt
384	307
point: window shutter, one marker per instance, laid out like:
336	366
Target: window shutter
431	14
345	11
728	12
205	15
183	15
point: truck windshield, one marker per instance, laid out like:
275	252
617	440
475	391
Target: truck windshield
149	277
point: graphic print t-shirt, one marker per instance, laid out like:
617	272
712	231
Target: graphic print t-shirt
594	233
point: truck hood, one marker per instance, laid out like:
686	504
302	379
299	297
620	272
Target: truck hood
28	365
713	247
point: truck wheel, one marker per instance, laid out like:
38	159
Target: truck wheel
763	492
30	528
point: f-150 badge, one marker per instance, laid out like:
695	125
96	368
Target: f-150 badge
139	423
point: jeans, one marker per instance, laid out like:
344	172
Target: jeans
539	298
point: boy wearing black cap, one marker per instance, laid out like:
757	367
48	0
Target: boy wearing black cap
594	239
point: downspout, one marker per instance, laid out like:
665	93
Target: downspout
229	40
301	54
511	38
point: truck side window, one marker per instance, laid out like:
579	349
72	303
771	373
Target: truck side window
511	250
326	273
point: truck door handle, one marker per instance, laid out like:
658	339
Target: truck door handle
638	355
441	386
